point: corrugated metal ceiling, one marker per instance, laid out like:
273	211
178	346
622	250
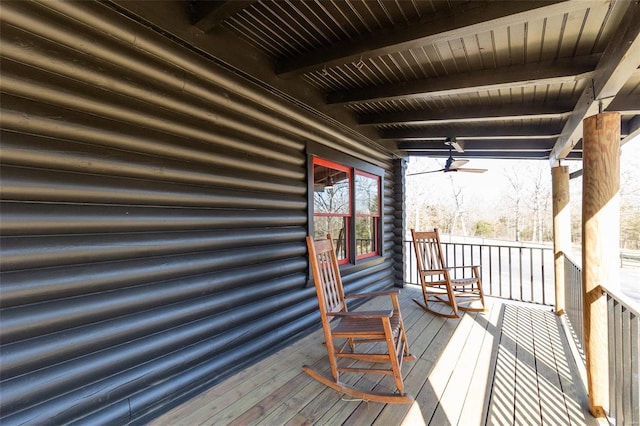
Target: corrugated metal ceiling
442	67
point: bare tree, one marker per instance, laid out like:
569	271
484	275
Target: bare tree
538	201
514	177
630	197
459	212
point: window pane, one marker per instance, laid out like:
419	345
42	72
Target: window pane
366	235
367	194
337	227
330	190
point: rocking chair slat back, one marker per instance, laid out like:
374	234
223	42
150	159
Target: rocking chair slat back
328	282
430	251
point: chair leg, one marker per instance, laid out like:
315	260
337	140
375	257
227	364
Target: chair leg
393	355
452	301
352	345
406	354
403	336
476	271
425	297
478	294
333	362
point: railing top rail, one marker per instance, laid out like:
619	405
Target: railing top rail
525	245
622	299
570	257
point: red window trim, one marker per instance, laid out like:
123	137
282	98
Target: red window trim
352	172
379	179
376	215
322	162
332	165
332	214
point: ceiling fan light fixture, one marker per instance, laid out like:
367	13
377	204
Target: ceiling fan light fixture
329	185
451	164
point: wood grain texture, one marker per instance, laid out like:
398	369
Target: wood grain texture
600	243
561	228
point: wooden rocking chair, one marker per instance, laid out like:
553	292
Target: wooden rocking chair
353	328
438	284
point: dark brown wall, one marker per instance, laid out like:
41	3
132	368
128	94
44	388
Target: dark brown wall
153	218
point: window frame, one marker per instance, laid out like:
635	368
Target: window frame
376	228
330	157
347	217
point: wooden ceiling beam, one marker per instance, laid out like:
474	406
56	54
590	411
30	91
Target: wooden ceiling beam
469	114
462	20
470	147
506	155
625	104
621	58
633	125
631	130
565	70
477	131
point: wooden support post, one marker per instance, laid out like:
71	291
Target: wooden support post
600	245
561	229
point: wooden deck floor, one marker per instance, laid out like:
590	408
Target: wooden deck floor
510	365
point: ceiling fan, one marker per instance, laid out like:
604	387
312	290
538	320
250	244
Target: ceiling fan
452	165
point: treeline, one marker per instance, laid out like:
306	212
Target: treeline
512	201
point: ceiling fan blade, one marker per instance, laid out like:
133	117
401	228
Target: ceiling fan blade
423	173
458	163
471	170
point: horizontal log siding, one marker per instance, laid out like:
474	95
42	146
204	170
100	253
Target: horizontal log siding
153	218
399	218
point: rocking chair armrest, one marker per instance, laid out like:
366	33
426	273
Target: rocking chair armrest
374	294
363	314
433	271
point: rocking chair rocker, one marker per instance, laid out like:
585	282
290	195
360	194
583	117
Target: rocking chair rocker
354	328
438	284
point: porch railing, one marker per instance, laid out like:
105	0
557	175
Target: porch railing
573	300
623	350
518	272
624	360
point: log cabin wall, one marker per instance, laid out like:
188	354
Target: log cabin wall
154	210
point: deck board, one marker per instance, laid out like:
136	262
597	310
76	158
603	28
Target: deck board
452	369
575	397
527	401
552	406
477	397
502	399
509	365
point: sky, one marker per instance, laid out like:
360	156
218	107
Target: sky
494	182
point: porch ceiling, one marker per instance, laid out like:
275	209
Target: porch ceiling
506	79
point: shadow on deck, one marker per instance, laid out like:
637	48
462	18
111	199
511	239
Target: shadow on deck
510	365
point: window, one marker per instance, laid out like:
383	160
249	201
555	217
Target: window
367	214
332	204
346	204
